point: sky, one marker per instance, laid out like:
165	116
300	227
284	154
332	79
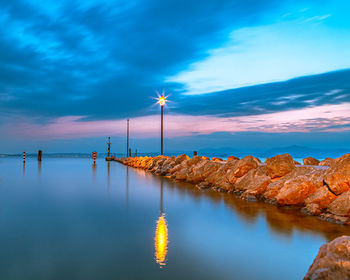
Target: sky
252	74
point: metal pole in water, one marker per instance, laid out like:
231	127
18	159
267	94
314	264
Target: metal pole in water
127	139
161	130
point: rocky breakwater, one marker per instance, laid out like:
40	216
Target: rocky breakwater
321	189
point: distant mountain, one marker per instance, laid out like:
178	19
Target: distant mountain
301	152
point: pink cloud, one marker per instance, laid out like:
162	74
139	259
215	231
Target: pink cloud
303	120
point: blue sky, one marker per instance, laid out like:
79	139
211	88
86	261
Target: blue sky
72	71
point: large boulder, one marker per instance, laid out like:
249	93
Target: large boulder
295	191
181	158
310	161
338	175
327	162
203	171
332	261
254	183
321	198
279	165
232	158
341	205
277	184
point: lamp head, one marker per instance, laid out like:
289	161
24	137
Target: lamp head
162	100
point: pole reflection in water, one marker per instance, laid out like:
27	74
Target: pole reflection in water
39	169
94	172
127	189
24	168
161	236
108	176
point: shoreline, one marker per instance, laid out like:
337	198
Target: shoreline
316	188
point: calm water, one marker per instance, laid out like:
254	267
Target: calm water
65	219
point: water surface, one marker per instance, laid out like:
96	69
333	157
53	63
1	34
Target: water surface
68	219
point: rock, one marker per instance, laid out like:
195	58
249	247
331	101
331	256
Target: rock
338	175
206	158
181	158
232	158
202	172
327	162
295	191
332	261
217	159
310	161
322	198
254	182
341	205
312	209
276	185
279	165
296	162
244	165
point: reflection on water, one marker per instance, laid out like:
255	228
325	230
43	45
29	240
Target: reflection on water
161	241
94	172
161	236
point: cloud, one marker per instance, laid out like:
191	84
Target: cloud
315	119
79	58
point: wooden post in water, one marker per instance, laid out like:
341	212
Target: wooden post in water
129	152
136	153
109	147
94	156
40	152
24	156
127	138
195	153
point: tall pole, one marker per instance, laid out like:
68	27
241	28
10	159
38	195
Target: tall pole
127	139
161	129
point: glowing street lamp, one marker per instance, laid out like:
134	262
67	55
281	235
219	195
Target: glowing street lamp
161	101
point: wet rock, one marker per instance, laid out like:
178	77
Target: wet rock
295	191
332	261
312	209
338	175
279	165
232	158
310	161
341	205
296	162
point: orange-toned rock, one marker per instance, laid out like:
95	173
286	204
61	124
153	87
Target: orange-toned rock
314	174
279	165
322	197
295	191
232	158
327	162
181	158
203	171
296	162
244	165
217	159
338	175
310	161
332	261
254	182
206	158
341	205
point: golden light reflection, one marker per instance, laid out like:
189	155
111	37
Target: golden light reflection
161	241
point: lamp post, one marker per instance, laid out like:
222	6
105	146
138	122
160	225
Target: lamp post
161	101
